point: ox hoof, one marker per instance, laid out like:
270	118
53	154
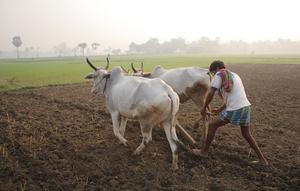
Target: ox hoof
137	152
125	143
264	163
198	153
175	167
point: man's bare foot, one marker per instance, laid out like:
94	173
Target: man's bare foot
199	153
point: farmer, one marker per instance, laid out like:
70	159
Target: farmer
235	110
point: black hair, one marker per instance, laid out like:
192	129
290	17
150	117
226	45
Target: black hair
216	64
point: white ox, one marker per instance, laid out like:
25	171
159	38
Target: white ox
188	82
150	101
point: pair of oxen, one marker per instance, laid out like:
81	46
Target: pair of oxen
152	99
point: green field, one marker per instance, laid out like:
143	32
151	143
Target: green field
15	74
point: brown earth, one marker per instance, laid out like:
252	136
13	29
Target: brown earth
61	138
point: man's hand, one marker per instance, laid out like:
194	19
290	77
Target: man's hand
203	112
216	111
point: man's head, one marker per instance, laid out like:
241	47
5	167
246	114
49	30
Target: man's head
215	66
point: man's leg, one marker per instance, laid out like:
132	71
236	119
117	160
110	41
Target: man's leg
250	139
212	128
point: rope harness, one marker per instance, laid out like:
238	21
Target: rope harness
104	77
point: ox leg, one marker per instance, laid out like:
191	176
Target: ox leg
149	138
173	145
146	133
123	125
115	120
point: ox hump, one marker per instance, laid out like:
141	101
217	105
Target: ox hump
116	72
158	70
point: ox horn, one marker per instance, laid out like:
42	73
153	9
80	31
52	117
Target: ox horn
107	62
134	70
142	67
126	71
91	65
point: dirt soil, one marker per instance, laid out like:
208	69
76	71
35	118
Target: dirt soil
61	138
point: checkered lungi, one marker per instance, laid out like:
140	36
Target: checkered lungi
239	117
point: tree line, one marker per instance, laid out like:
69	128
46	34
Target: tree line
215	46
60	50
174	46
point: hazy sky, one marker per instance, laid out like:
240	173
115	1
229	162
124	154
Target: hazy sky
116	23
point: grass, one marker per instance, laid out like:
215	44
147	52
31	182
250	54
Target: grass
15	74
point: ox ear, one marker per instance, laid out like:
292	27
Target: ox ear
142	68
90	76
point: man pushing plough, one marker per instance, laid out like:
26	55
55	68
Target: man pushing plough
235	110
154	103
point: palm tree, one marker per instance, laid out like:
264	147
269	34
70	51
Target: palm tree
95	46
82	46
17	42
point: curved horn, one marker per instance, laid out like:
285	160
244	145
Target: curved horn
91	65
126	71
134	70
107	62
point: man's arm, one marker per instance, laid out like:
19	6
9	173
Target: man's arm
208	99
220	94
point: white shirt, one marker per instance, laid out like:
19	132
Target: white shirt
236	98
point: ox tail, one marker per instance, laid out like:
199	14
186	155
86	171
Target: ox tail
174	103
174	109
